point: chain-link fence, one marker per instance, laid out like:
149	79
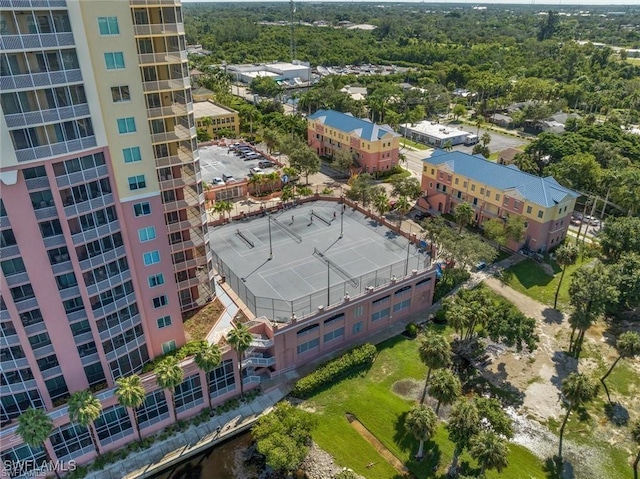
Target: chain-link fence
280	310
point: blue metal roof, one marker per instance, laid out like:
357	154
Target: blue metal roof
542	191
346	122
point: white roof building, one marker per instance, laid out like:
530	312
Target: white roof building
432	133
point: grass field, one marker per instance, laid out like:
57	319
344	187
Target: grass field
371	399
529	278
414	144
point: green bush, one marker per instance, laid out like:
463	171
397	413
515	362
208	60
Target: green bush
411	330
449	281
335	370
189	349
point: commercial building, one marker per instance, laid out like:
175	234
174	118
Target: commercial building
432	133
375	147
279	71
216	118
497	191
102	220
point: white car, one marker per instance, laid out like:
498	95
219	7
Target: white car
256	170
218	181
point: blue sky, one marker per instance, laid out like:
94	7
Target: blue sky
502	2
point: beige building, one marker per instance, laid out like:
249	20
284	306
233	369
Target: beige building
216	118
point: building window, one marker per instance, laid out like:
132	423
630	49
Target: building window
384	313
50	228
332	335
402	305
131	155
137	182
112	425
403	290
497	197
147	234
12	266
94	373
357	327
160	301
108	25
151	257
120	93
456	181
39	340
333	319
358	311
382	300
473	187
164	322
23	460
308	346
153	410
540	213
114	60
142	209
188	394
308	330
155	280
168	346
57	387
222	379
529	210
126	125
71	441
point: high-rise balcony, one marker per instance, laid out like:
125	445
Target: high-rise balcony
164	57
179	133
55	149
162	85
36	41
38	80
138	3
31	4
32	118
176	109
158	29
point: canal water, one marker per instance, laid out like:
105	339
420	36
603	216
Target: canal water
220	462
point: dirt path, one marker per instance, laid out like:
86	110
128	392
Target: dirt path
378	446
540	374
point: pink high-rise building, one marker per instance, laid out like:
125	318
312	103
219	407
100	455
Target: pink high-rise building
102	220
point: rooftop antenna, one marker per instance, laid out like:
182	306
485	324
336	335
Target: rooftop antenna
293	40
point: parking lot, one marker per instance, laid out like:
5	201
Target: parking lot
499	141
216	161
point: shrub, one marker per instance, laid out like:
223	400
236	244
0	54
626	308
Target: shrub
411	330
334	370
449	281
189	349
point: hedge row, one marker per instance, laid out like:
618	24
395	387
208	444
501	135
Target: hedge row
334	370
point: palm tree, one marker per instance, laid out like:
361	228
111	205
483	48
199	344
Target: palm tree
240	340
208	358
84	409
577	390
169	375
566	255
381	203
490	450
485	139
463	214
445	387
635	434
435	353
223	207
464	423
402	206
479	123
35	427
131	394
447	146
421	422
628	345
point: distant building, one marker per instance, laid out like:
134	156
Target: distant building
497	191
357	93
432	133
505	121
222	118
202	94
279	71
375	147
505	157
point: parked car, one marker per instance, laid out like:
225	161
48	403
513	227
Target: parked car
265	164
255	171
228	178
421	215
218	181
481	265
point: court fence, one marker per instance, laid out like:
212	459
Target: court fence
280	310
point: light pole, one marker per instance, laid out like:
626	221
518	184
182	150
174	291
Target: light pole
341	217
270	245
328	285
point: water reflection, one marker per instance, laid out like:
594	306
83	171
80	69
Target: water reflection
218	462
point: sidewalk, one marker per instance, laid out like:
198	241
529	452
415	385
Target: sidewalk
196	439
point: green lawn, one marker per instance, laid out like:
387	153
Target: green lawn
530	279
371	399
414	144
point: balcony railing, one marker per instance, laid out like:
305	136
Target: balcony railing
55	149
82	176
177	84
89	205
23	4
261	342
102	259
32	118
120	327
36	41
158	29
108	283
173	110
16	279
37	80
93	233
135	3
179	133
164	57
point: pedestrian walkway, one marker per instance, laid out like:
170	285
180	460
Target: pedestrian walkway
195	440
